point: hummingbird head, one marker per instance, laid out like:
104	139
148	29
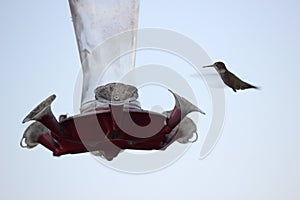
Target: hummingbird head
219	66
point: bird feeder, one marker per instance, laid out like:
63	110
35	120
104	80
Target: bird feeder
111	118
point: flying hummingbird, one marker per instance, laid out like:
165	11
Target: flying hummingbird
229	78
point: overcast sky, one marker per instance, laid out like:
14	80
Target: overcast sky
257	156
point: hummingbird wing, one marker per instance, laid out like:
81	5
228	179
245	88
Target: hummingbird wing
243	85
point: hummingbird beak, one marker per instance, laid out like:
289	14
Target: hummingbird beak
208	66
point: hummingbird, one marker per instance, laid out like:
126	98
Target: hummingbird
229	78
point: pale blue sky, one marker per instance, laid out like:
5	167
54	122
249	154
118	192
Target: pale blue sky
257	156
